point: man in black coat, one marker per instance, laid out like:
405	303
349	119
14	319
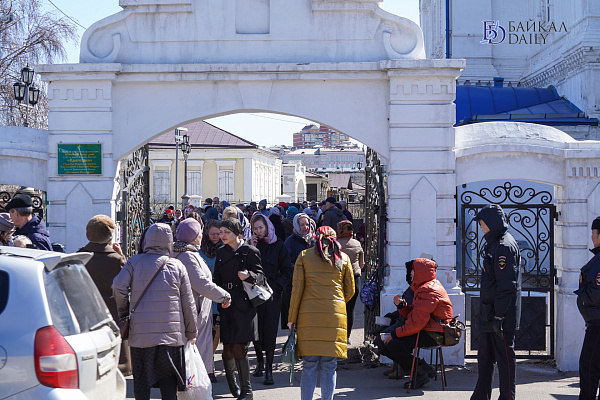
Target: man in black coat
27	223
500	305
588	302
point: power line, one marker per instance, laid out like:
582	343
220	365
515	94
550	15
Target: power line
278	119
63	13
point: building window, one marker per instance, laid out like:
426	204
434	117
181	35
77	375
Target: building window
226	184
162	186
194	183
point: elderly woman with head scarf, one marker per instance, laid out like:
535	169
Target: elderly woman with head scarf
237	261
323	282
157	334
278	270
302	238
189	236
7	227
354	250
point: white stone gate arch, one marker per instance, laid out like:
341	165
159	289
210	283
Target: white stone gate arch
345	63
506	151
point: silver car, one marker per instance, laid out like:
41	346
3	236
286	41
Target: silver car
57	338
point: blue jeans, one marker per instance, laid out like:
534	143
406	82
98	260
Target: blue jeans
308	381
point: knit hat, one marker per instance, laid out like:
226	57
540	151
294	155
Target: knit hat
263	202
596	224
100	229
274	211
188	230
283	204
233	225
331	200
6	223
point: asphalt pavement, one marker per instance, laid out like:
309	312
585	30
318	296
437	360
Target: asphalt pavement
360	377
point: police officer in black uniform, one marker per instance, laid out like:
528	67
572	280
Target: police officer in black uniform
588	302
500	305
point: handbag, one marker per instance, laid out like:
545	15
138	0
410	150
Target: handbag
123	323
369	293
453	330
288	353
258	292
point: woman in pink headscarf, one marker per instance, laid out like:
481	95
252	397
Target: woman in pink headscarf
277	268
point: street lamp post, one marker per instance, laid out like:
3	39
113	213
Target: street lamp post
186	148
179	133
26	93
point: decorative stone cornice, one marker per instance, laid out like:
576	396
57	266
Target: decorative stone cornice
575	61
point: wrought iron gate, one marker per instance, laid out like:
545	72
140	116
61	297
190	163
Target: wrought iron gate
375	231
530	216
134	200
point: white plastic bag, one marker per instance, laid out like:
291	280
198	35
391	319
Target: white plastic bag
198	382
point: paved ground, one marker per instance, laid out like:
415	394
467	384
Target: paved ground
365	381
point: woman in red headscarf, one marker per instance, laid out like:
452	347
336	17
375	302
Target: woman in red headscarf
278	270
323	282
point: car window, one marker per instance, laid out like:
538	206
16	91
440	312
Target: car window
74	301
3	290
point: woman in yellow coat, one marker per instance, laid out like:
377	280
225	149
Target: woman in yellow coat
322	284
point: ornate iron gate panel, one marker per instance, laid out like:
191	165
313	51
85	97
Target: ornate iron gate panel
37	197
530	216
134	179
375	231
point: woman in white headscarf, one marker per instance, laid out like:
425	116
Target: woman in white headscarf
302	238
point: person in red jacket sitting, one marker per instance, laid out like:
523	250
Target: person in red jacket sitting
430	305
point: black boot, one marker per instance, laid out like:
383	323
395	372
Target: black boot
422	379
243	368
269	369
260	365
230	374
428	368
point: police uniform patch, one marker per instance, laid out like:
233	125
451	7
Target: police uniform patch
502	262
598	279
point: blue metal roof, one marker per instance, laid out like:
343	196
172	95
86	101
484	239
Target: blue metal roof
534	105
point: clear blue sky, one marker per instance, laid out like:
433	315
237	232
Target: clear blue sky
258	128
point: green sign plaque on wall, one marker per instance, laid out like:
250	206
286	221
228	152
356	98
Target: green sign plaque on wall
80	159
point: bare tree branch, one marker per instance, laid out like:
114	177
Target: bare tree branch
32	37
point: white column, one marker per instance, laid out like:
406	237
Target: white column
80	112
421	178
578	204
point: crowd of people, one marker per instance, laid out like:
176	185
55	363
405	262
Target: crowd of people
305	252
193	263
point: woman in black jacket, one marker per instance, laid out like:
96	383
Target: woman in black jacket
236	262
278	270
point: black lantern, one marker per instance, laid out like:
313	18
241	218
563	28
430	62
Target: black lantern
359	165
34	95
20	88
27	75
26	92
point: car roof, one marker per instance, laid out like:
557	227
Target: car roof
50	259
